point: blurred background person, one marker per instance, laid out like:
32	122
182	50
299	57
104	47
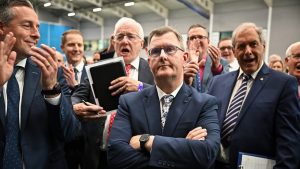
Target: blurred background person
277	65
225	46
89	61
292	61
204	59
273	57
96	56
60	59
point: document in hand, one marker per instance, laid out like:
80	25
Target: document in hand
100	75
249	161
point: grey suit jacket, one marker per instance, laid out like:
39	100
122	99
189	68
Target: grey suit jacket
208	75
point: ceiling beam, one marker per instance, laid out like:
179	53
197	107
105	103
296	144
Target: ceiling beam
120	12
156	7
206	5
62	4
98	3
91	16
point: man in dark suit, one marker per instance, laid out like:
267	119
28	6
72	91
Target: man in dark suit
78	151
128	41
204	59
36	117
265	121
150	133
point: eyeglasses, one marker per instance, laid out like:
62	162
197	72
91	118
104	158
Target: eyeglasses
169	50
130	36
225	47
295	56
194	37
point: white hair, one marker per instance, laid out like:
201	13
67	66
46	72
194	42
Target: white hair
125	20
289	49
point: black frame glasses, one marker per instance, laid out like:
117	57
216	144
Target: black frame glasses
200	37
169	50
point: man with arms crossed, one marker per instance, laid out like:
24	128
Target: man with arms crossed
170	125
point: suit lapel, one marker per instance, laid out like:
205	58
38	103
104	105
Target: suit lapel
258	84
206	73
31	82
152	110
177	109
141	75
83	74
227	86
2	109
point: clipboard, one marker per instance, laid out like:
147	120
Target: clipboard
100	75
249	161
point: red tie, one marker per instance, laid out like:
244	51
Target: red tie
127	69
111	121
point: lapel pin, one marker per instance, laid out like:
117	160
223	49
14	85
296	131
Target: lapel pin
261	79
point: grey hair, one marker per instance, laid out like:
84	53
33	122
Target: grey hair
289	49
6	15
245	26
125	20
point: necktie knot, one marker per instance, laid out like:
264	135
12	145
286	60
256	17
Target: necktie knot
246	77
127	69
167	99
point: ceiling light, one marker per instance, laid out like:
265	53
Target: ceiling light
71	14
97	9
47	4
129	4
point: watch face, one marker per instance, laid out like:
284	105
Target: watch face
144	137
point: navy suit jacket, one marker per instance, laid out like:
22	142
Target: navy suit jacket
268	123
139	113
92	130
44	127
208	75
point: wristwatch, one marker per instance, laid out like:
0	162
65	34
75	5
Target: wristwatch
54	91
143	140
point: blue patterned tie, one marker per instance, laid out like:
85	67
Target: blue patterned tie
12	158
198	82
166	103
233	111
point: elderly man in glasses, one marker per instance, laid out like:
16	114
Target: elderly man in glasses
204	59
292	61
128	41
169	125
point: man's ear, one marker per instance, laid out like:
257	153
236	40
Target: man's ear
185	56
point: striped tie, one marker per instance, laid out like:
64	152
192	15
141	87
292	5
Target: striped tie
233	111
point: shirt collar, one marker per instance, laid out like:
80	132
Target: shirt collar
135	63
162	94
22	63
253	75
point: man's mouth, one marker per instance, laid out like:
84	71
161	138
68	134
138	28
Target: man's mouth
125	50
298	67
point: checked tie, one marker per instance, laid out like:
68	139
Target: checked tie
12	158
233	111
166	103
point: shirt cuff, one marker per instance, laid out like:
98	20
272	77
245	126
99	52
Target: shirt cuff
54	101
218	70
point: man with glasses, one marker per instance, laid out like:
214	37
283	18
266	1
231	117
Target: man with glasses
259	109
204	59
169	125
128	41
226	49
292	61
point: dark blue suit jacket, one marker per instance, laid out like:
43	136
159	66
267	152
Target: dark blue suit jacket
268	123
44	127
139	113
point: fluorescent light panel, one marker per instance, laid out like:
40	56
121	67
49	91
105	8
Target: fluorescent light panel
129	4
71	14
97	9
47	4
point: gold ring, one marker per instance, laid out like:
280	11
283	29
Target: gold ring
48	65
